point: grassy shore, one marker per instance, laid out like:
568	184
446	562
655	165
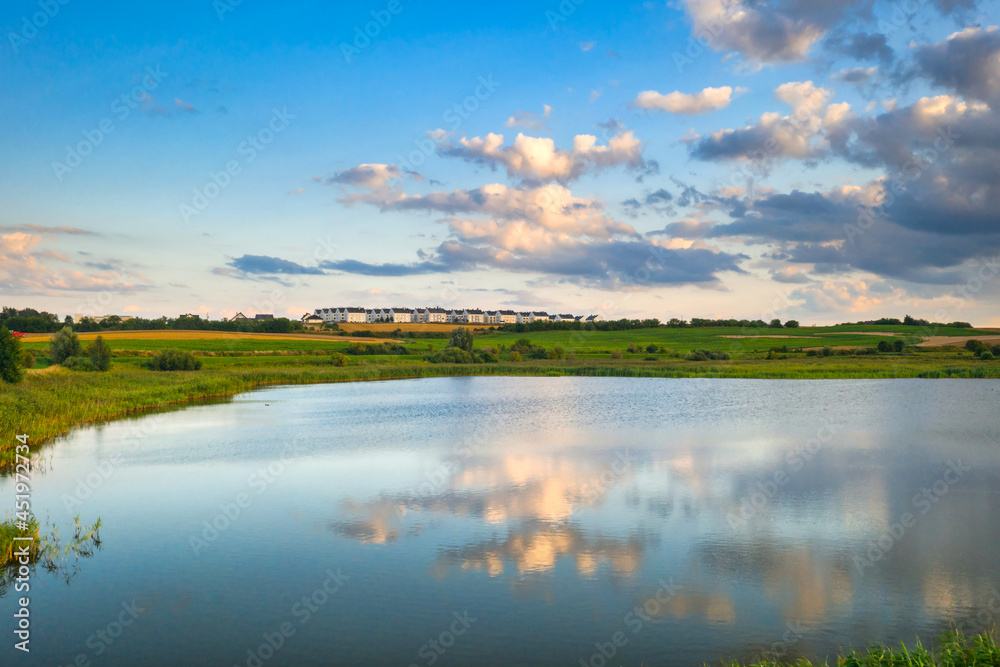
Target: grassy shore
953	650
52	400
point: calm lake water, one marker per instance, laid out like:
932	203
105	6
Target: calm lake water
525	521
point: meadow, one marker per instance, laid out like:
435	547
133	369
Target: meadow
51	399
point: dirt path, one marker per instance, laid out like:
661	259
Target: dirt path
957	341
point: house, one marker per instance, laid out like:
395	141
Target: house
263	316
455	316
492	317
354	315
523	318
507	316
399	315
563	318
191	315
238	317
592	318
539	316
435	315
474	316
312	319
328	314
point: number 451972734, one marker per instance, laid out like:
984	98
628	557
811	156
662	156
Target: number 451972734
21	479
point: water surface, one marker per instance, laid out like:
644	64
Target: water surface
509	521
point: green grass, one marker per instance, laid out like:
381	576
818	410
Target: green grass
954	650
46	405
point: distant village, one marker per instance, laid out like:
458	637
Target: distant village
438	316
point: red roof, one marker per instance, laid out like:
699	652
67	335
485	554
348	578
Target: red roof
18	334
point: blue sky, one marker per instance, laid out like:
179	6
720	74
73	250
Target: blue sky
352	178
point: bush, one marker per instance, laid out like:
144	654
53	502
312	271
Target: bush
995	350
812	353
652	348
827	351
174	360
792	324
339	359
775	323
975	346
489	357
706	355
63	345
633	348
79	364
27	359
10	357
100	354
513	355
986	356
557	353
898	345
617	354
884	346
451	355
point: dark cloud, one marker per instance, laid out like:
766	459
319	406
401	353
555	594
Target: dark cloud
661	196
967	63
262	264
861	46
364	269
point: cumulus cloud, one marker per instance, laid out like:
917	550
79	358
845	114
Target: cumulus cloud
766	32
691	104
967	62
371	176
538	159
800	134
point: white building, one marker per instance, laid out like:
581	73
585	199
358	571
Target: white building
434	315
474	316
455	316
507	317
399	315
563	318
353	315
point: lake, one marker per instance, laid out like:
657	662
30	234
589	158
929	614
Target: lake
480	520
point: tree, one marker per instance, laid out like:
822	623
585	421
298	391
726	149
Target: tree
100	354
792	324
64	344
884	346
462	339
10	357
775	323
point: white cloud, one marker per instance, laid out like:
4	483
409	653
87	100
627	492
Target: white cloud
709	99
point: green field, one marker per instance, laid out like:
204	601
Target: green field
52	400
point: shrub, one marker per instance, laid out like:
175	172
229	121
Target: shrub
652	348
174	360
884	346
617	354
827	351
100	354
898	345
792	324
557	353
10	357
775	323
339	359
513	355
633	348
489	357
986	355
705	355
63	345
649	358
538	352
451	355
995	350
522	345
79	364
27	359
975	346
812	353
